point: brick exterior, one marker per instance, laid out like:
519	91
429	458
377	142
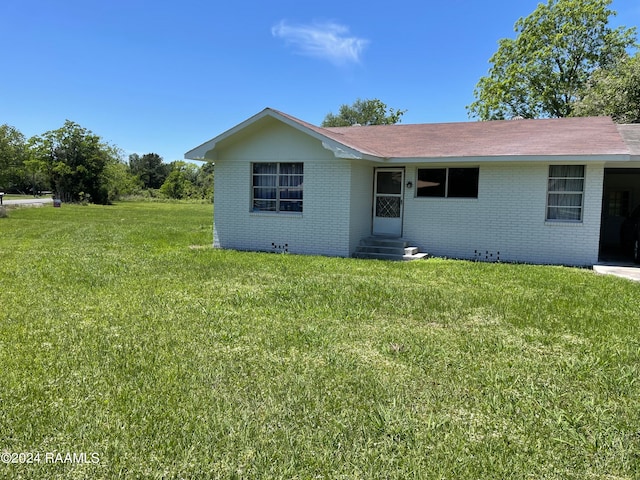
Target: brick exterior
506	222
324	227
361	203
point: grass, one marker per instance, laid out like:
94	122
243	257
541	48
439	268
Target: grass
123	334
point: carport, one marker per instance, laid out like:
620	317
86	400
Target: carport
620	196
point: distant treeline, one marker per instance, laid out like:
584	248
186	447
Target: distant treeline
78	166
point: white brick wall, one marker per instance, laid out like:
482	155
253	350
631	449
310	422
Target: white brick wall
507	220
323	227
361	211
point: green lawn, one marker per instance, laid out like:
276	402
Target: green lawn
125	337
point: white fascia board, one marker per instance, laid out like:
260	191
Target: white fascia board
200	152
338	149
342	151
205	151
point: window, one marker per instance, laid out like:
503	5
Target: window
565	192
448	182
277	187
618	204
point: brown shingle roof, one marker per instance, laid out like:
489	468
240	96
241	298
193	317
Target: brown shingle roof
586	136
565	136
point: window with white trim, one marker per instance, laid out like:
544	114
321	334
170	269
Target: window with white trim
448	182
565	193
277	187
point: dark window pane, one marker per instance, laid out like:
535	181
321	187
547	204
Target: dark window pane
264	205
564	213
575	171
264	180
290	180
291	168
389	182
264	193
565	200
463	182
291	193
431	182
277	187
618	204
289	206
265	168
565	192
566	185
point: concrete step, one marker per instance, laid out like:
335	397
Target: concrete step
411	250
386	256
379	249
417	256
384	242
383	248
378	256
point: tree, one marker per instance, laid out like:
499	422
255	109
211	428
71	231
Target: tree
150	169
204	181
180	181
187	180
13	153
118	180
74	160
545	69
363	112
614	92
34	177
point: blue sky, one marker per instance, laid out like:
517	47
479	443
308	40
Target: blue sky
166	76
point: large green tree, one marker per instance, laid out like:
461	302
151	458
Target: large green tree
180	182
614	92
188	180
363	112
545	69
204	180
118	180
13	153
74	159
150	169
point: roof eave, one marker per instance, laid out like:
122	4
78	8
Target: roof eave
206	151
200	152
340	150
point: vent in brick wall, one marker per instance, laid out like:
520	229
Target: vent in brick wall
280	248
486	256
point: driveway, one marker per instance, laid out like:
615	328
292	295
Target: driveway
620	269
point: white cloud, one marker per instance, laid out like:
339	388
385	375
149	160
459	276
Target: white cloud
329	41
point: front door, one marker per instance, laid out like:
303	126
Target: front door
387	202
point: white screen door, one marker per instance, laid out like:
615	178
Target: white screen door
387	202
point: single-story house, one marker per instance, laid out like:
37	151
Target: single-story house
549	191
